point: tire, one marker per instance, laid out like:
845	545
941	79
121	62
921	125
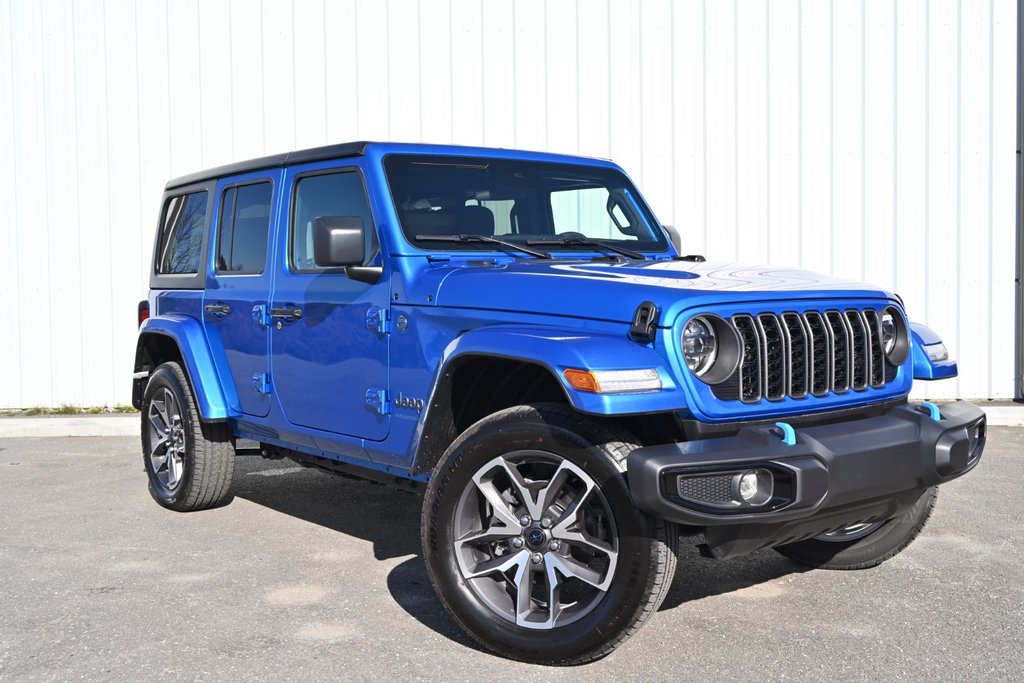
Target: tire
591	530
864	546
190	464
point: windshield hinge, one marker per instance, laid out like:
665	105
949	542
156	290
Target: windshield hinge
645	323
378	320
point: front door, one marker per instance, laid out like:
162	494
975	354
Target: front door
329	359
241	281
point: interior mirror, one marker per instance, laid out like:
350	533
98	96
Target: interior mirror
338	241
673	235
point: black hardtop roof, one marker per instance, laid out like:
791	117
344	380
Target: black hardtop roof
338	151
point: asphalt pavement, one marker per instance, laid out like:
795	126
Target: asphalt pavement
306	576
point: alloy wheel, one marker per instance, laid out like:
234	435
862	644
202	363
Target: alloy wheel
535	539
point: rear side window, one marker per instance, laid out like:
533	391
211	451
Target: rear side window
244	227
328	194
181	235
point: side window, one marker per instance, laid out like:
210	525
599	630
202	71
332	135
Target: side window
589	211
327	194
181	235
244	226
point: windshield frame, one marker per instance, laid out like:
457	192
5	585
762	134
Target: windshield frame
659	245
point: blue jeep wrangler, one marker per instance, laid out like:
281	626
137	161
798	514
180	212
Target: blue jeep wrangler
515	335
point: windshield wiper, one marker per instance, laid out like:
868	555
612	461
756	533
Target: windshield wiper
587	242
483	238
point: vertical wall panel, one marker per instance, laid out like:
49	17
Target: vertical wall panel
783	176
720	141
11	391
861	138
879	151
689	83
752	211
999	294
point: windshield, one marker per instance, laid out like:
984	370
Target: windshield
517	201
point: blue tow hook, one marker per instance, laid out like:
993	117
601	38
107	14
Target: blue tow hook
788	433
933	410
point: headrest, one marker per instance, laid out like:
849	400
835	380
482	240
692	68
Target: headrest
476	220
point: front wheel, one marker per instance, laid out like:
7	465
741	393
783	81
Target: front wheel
864	545
533	542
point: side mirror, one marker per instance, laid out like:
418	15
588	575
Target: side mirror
338	241
673	235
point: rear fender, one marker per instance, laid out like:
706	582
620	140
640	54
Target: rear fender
212	398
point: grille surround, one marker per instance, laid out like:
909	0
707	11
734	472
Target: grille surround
832	351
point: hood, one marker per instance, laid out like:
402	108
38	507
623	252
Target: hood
612	291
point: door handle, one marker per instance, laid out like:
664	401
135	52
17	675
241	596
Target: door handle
217	310
289	313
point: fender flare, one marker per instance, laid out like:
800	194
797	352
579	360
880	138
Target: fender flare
924	367
553	349
558	349
212	398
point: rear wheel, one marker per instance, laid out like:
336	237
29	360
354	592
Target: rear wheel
190	464
864	545
533	542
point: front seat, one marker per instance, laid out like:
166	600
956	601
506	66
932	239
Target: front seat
476	220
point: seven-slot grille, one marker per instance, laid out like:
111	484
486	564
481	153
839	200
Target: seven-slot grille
810	353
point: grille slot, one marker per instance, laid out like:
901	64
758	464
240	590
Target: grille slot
749	370
813	353
874	327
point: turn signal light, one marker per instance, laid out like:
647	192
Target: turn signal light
613	381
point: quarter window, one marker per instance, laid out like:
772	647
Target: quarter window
181	236
244	226
328	194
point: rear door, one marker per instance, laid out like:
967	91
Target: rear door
239	288
329	352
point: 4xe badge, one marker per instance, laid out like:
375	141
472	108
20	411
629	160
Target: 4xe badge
404	401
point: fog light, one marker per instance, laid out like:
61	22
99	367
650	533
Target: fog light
748	485
753	487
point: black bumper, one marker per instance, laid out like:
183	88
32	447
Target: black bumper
835	474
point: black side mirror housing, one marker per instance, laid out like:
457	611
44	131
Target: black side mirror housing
674	237
338	241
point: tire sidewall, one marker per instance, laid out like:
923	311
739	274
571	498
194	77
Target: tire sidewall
883	543
165	377
619	607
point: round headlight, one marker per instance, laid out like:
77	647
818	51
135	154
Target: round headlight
700	346
888	332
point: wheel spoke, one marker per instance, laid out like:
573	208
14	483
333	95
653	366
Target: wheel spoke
586	540
170	406
492	533
546	496
161	411
499	564
499	506
522	489
554	589
524	592
159	460
173	468
570	567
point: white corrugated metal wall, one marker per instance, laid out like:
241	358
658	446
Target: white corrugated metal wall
865	138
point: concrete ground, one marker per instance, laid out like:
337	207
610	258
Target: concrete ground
306	576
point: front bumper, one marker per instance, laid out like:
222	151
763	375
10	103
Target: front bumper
835	474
